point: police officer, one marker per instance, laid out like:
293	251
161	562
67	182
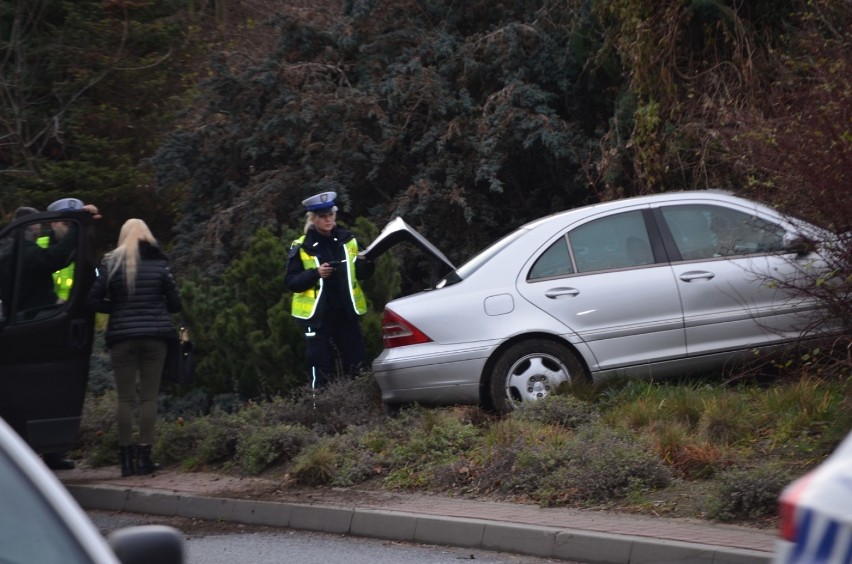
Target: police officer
323	272
63	278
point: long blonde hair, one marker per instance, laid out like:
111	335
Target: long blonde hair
126	255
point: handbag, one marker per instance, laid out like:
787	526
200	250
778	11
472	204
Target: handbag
179	367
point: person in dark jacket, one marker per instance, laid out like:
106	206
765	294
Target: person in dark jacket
42	255
324	273
137	289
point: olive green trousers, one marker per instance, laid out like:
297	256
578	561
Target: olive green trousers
142	358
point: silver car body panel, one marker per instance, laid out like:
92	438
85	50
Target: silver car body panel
700	314
46	496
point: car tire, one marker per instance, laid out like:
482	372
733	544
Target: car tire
530	371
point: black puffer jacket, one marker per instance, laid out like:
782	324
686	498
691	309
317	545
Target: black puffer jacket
145	313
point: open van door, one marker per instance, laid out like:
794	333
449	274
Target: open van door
46	269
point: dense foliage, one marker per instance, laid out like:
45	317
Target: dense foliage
88	90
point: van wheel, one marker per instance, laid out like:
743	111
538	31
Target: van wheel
531	370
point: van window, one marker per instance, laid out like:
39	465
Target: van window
37	269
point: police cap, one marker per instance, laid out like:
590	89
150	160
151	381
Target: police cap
65	204
320	202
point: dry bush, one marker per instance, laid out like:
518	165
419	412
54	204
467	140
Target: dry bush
749	493
561	410
268	446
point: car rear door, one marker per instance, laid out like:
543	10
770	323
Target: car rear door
45	345
728	262
608	280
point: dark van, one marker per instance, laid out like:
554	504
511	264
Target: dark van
45	330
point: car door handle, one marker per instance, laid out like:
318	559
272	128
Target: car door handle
696	274
559	292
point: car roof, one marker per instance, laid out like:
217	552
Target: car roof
697	195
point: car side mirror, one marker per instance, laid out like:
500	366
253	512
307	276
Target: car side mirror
800	245
146	544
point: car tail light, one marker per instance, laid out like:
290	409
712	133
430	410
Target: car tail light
397	332
787	520
788	504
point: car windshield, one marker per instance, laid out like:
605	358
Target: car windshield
474	264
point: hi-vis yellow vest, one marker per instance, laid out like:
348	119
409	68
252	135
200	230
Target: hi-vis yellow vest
305	303
62	279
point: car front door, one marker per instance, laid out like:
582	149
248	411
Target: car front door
729	264
608	280
46	268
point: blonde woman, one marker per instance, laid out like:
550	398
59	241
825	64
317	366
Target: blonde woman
137	289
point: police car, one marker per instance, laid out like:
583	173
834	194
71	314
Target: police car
41	522
816	513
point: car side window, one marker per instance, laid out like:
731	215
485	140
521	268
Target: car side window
704	231
555	261
615	241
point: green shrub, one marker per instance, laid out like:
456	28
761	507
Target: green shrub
194	403
178	441
97	439
561	410
342	403
267	446
749	493
726	420
316	466
605	464
595	464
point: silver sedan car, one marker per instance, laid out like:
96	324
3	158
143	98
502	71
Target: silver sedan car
651	286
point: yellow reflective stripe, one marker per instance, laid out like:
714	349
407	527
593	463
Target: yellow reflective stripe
303	305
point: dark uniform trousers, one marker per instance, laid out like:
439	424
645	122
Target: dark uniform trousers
340	331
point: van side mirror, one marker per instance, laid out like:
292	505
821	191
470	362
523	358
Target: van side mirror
147	543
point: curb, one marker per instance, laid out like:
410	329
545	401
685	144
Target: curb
543	542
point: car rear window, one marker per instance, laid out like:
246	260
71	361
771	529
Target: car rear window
480	259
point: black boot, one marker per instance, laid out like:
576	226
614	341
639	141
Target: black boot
126	454
144	464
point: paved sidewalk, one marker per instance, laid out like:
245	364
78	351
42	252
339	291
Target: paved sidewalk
558	533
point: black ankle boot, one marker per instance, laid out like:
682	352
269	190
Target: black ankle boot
127	456
144	464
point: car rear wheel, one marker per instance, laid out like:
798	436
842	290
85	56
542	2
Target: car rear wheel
530	371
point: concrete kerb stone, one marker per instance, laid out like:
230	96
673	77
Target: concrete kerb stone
450	531
106	498
321	518
390	525
522	539
209	508
740	556
661	551
265	513
548	542
152	502
591	547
